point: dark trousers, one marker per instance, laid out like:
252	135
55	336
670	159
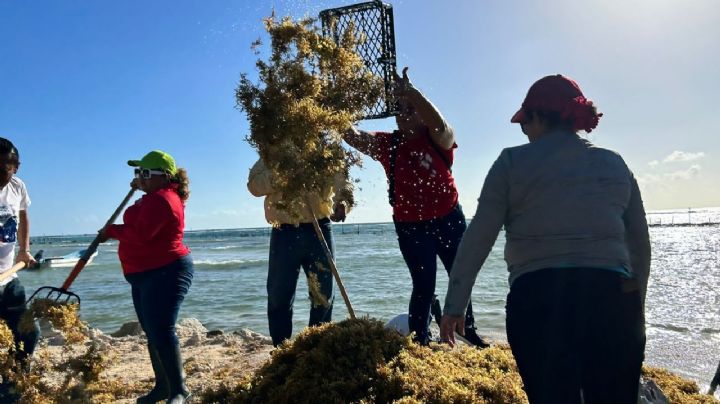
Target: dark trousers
421	243
12	307
293	247
577	334
157	295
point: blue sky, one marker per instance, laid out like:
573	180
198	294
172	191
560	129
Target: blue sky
87	85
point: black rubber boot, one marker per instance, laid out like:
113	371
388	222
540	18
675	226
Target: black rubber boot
172	363
472	337
161	391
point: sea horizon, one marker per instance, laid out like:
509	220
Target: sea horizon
676	211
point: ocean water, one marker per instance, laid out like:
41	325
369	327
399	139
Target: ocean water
228	292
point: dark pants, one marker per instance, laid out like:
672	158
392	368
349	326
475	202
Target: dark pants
157	295
291	248
715	380
12	307
421	243
576	332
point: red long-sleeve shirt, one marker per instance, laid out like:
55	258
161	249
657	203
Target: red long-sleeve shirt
152	233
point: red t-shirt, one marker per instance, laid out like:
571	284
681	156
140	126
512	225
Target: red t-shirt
152	233
424	186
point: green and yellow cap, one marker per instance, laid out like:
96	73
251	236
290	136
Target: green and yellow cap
156	160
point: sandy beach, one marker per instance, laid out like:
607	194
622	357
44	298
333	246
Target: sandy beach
210	357
213	358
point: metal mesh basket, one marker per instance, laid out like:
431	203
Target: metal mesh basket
374	20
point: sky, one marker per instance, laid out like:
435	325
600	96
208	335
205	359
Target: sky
87	85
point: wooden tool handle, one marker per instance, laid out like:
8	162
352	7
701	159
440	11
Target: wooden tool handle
331	260
95	243
20	265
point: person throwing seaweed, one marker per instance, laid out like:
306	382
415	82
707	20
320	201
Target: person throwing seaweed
158	266
577	249
294	244
429	221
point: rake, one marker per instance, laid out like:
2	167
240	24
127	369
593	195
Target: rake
62	295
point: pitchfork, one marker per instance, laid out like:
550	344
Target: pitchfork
62	294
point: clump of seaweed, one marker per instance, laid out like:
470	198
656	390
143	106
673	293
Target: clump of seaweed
361	361
675	388
77	377
335	362
311	91
469	375
317	297
7	348
62	316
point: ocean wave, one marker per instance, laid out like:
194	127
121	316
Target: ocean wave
670	327
223	247
230	262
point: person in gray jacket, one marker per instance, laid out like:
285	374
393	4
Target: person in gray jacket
577	250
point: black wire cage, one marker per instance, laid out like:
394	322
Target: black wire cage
373	20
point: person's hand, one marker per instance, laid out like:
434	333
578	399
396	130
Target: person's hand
338	214
102	235
448	326
405	96
135	183
402	84
26	257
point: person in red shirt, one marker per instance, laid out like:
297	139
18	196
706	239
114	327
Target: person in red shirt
157	265
429	221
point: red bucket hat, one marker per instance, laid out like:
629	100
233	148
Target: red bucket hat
560	94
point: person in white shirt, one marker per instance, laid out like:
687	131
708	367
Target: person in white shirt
14	230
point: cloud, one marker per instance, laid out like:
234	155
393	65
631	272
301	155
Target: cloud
653	163
681	175
688	174
681	156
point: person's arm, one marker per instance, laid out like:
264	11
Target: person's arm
154	214
364	142
440	131
260	179
637	238
474	248
23	238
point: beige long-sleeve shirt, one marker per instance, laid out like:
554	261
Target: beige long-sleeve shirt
260	184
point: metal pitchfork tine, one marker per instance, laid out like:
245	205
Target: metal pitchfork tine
62	294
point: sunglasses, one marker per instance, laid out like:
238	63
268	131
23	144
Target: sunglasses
146	173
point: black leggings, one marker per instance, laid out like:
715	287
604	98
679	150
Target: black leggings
421	243
577	334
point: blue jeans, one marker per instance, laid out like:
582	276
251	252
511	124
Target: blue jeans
421	243
291	248
157	295
12	307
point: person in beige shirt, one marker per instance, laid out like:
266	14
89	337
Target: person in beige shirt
294	245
